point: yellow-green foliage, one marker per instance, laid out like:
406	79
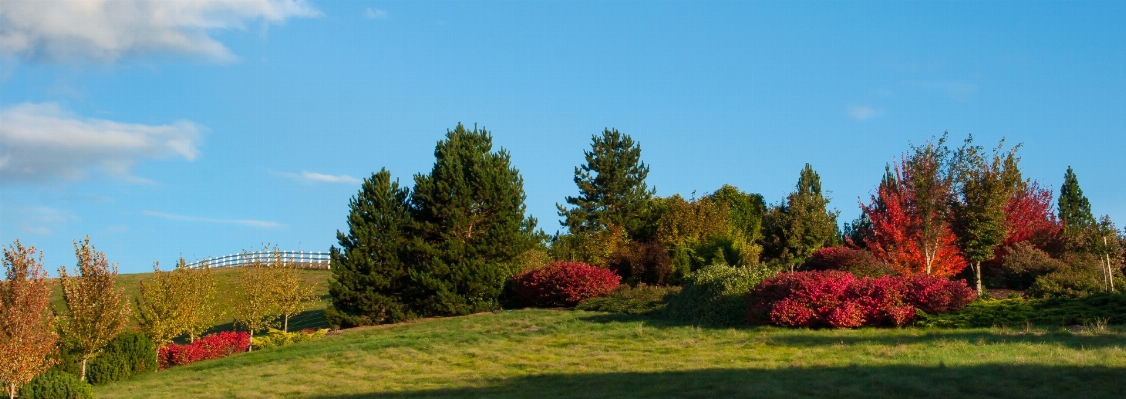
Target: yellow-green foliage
277	337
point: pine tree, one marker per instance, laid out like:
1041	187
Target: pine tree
369	276
985	188
97	309
469	219
612	189
803	223
1075	211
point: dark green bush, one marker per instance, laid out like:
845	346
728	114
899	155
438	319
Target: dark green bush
1078	275
642	263
1023	265
128	354
716	295
642	299
1017	312
56	385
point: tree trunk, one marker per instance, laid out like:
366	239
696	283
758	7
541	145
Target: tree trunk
83	369
285	323
11	391
977	271
250	347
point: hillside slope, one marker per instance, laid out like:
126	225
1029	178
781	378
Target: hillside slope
573	354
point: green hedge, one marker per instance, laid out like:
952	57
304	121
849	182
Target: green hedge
716	295
128	354
1017	312
56	385
642	299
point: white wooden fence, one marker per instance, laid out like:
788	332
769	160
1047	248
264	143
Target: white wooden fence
299	259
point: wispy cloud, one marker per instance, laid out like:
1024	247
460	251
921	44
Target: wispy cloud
314	177
862	112
241	222
105	31
374	13
39	142
39	220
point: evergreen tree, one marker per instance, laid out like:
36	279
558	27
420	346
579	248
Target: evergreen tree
802	224
469	217
369	275
612	189
1075	211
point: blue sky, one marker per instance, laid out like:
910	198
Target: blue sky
200	128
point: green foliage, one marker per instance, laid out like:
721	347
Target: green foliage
744	211
1016	312
276	338
369	277
984	189
802	224
640	299
716	295
130	353
612	189
1074	210
1081	275
57	385
469	227
1024	264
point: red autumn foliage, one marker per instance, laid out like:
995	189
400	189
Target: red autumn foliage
564	284
212	346
897	236
1030	218
840	300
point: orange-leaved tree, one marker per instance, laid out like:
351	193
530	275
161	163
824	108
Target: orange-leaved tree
97	309
27	325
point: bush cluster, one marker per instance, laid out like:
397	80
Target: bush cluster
212	346
274	337
128	354
859	262
716	295
840	300
642	263
1016	312
563	284
639	299
56	385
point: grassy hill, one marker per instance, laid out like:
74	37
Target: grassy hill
573	354
226	278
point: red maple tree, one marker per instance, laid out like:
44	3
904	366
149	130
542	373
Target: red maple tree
897	236
1030	217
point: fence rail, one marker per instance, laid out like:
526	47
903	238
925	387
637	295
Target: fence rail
299	259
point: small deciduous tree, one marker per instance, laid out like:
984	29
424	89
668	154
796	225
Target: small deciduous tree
979	212
96	309
200	310
160	306
255	305
290	292
27	325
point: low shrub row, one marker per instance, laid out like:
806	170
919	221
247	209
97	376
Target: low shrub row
841	300
128	354
212	346
56	384
1015	312
275	338
640	299
563	284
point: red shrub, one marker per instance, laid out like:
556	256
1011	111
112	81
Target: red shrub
838	299
563	284
212	346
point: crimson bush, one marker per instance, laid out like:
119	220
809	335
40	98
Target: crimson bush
212	346
563	284
841	300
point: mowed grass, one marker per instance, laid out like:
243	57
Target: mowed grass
226	281
576	354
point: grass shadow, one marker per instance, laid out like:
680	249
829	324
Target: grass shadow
986	381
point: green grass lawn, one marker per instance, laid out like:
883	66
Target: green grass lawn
225	285
571	354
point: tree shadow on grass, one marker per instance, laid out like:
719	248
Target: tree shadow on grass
1112	337
987	381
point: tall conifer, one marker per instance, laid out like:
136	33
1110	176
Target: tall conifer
1075	210
803	223
612	189
369	275
469	217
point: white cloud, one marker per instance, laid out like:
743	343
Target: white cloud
43	141
861	113
241	222
106	30
308	176
374	13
